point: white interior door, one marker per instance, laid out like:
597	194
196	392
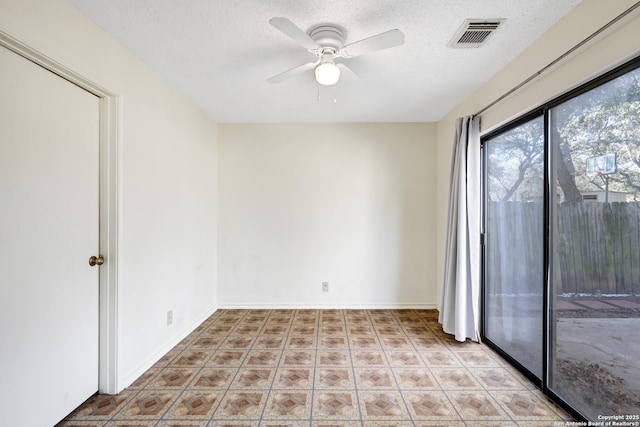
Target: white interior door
49	140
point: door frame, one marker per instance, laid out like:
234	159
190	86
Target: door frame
108	207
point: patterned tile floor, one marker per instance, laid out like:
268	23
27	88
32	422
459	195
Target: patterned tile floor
323	368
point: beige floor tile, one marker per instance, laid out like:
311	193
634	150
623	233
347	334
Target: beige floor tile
195	404
217	330
440	359
455	378
335	405
173	378
148	404
234	423
395	423
242	405
476	359
426	343
81	423
476	405
498	423
333	328
361	330
333	358
430	406
368	358
293	378
447	423
102	406
256	358
391	343
275	329
496	379
129	423
288	404
253	378
334	378
415	378
183	423
237	342
364	342
305	358
168	358
302	328
336	423
389	330
283	423
524	405
404	359
144	379
338	342
227	358
269	342
247	330
371	368
375	378
218	378
206	343
382	406
301	342
191	358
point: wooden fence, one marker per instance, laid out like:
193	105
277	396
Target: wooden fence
597	247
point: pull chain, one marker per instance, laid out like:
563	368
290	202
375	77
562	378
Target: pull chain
335	93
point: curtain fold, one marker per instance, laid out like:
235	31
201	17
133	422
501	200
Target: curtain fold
460	301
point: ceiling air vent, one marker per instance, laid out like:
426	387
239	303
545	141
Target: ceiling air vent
474	32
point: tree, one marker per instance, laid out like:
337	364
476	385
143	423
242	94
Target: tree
601	121
605	120
515	163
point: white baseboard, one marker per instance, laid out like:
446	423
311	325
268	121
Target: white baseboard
400	306
150	361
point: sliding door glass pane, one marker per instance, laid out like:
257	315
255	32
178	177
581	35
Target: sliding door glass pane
595	335
514	214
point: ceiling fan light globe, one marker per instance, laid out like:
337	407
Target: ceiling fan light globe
327	73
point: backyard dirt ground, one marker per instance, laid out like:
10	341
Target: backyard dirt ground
598	364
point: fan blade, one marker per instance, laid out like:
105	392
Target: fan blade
294	32
350	77
279	78
346	68
381	41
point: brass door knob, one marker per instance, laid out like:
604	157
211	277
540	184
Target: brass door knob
96	260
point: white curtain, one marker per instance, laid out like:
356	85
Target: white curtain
460	303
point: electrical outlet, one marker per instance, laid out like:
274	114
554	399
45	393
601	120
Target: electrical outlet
169	317
325	286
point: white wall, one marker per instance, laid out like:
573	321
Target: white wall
349	204
612	48
168	172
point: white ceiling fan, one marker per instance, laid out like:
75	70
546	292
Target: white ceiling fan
326	41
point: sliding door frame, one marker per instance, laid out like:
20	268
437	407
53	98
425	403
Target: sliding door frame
483	313
549	207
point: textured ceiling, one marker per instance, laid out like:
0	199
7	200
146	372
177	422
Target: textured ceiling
219	53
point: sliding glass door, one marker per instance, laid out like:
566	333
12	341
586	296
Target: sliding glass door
514	251
561	270
595	317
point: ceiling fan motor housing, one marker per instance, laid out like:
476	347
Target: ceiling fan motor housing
328	36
